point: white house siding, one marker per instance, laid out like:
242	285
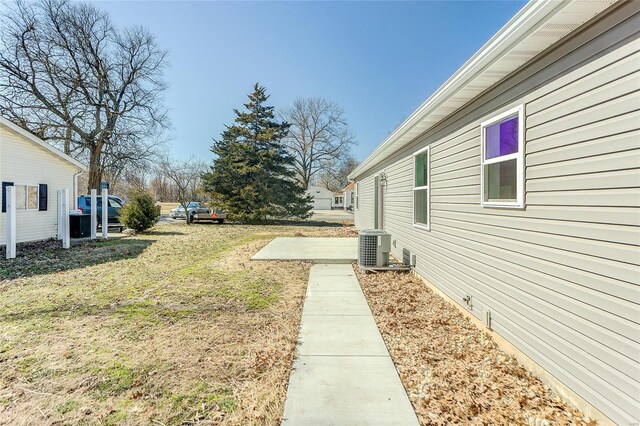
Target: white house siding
364	217
25	163
561	277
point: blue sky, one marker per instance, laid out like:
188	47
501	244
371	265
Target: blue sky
378	60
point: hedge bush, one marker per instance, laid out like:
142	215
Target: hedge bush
140	212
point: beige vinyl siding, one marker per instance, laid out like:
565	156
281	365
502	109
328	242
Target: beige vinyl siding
25	163
561	277
365	214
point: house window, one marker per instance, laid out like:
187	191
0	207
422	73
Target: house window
21	197
32	198
337	200
351	198
28	197
502	160
421	205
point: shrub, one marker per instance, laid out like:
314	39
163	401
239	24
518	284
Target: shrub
140	212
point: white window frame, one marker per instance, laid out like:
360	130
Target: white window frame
519	156
37	187
423	226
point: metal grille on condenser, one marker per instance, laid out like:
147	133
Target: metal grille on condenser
368	250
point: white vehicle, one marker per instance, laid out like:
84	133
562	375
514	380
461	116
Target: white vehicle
198	211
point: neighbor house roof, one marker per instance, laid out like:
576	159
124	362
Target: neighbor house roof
36	140
351	185
537	26
318	189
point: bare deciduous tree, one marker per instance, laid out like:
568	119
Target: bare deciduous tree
336	178
318	137
71	77
186	179
124	180
161	187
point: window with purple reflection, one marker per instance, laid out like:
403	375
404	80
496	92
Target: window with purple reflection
502	170
501	138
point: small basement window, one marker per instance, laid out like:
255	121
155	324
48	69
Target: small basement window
421	205
502	172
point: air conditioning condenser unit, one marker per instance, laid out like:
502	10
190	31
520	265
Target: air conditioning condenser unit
374	246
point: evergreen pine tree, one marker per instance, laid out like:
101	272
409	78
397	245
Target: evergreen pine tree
252	175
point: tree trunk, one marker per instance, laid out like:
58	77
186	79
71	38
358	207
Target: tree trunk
187	216
95	170
67	141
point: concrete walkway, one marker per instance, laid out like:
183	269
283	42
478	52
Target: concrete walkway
318	250
343	374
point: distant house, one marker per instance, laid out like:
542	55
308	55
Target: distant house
348	196
514	190
37	171
338	199
323	199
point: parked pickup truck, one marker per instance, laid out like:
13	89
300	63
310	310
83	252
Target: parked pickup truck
198	211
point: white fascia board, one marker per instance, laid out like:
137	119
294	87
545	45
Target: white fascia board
36	140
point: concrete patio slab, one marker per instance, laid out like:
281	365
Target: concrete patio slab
318	250
335	303
323	335
345	390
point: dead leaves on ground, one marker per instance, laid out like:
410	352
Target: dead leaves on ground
453	372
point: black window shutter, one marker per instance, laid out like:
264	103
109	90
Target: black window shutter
42	205
4	195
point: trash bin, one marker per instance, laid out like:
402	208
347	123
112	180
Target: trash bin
80	225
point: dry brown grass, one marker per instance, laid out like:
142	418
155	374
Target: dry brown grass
176	326
453	372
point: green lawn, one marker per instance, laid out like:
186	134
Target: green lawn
171	327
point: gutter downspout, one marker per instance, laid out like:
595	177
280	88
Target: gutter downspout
75	189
